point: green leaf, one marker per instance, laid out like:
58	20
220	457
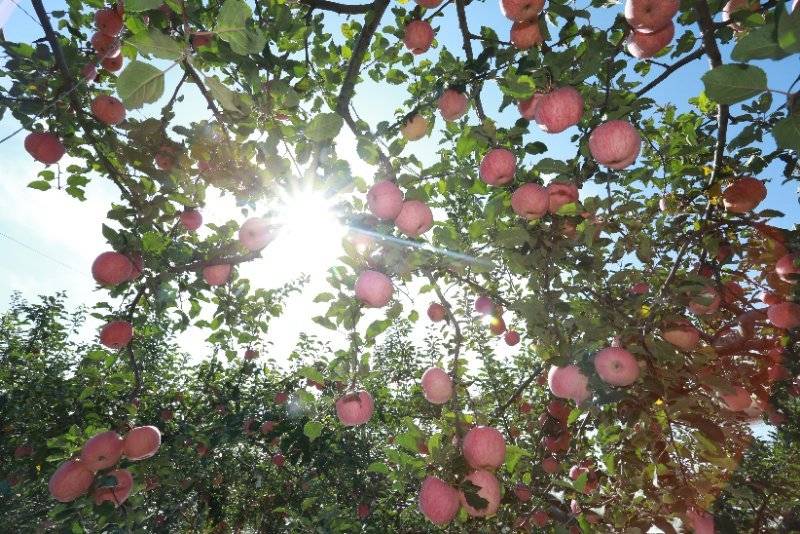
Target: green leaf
229	100
312	430
156	43
312	374
324	321
324	127
41	185
141	5
787	133
789	30
232	28
759	43
728	84
140	84
513	455
378	467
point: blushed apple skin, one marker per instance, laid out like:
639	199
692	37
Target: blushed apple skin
568	382
374	289
355	408
141	442
649	16
437	387
744	195
119	493
498	167
684	336
489	490
44	147
527	107
415	128
418	36
484	448
784	315
385	200
438	501
116	334
560	194
787	270
255	234
559	109
530	201
616	366
217	275
111	268
737	401
415	218
453	105
108	110
525	35
646	45
102	451
71	480
615	144
521	10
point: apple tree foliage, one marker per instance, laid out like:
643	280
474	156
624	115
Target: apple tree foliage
281	84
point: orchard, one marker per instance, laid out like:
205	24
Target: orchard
566	299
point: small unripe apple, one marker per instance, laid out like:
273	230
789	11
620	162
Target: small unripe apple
650	15
437	387
255	234
418	36
525	35
71	480
615	144
217	275
498	166
374	289
682	335
111	268
530	201
527	107
108	110
108	21
415	218
191	219
438	501
112	63
355	408
643	45
116	334
560	194
511	338
521	10
45	147
436	312
787	268
616	366
484	448
102	451
489	490
415	128
559	109
744	195
453	104
385	200
568	383
784	315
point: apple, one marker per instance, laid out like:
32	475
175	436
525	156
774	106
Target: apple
705	302
497	326
141	442
374	289
281	397
540	518
550	465
250	355
385	200
616	366
649	16
166	415
484	305
574	507
525	407
643	45
191	219
429	4
89	72
484	448
23	451
559	109
731	292
112	63
105	45
682	335
116	334
576	471
787	268
108	21
744	194
165	158
201	449
355	408
560	194
362	510
71	480
418	36
44	147
511	338
521	10
117	494
489	489
738	400
278	459
438	501
701	522
639	288
498	166
530	201
108	110
217	275
769	298
784	315
568	383
415	128
102	451
111	268
267	427
255	234
558	410
522	492
415	218
733	7
615	144
525	35
452	104
437	387
201	39
527	107
437	312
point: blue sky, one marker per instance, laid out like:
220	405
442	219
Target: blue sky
69	231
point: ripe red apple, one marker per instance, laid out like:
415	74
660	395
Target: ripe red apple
166	415
769	298
550	465
744	194
525	35
511	338
497	325
530	201
784	315
165	158
705	302
640	288
374	289
108	21
71	480
415	218
560	194
540	518
111	268
102	451
558	410
418	36
267	427
116	334
616	366
525	407
250	355
362	510
452	104
498	166
438	501
429	4
733	7
568	383
255	234
559	109
521	10
108	110
89	72
576	471
522	492
385	200
191	219
682	335
281	397
484	305
105	45
650	15
117	494
112	63
141	442
45	147
437	312
732	292
738	400
201	39
23	451
217	275
355	408
787	268
701	522
278	459
437	387
615	144
489	490
643	45
484	448
415	128
527	107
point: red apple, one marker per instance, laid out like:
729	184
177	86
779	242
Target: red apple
116	334
117	494
71	480
568	383
615	144
560	194
111	268
278	459
489	490
105	45
522	492
643	45
550	465
527	107
141	442
415	128
452	104
640	288
558	410
191	219
525	35
787	268
201	39
281	397
108	21
511	338
530	201
250	355
705	302
102	451
484	448
108	110
737	400
362	510
437	387
429	4
385	200
540	518
498	166
374	289
45	147
497	326
744	195
682	335
418	36
255	234
484	305
769	298
437	312
650	15
521	10
438	501
112	63
217	275
616	366
784	315
415	218
355	408
701	522
267	427
89	72
559	109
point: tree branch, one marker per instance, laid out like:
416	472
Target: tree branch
336	7
187	67
697	54
466	38
537	370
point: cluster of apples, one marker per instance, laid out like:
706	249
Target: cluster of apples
651	25
386	202
525	31
103	451
484	450
106	43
